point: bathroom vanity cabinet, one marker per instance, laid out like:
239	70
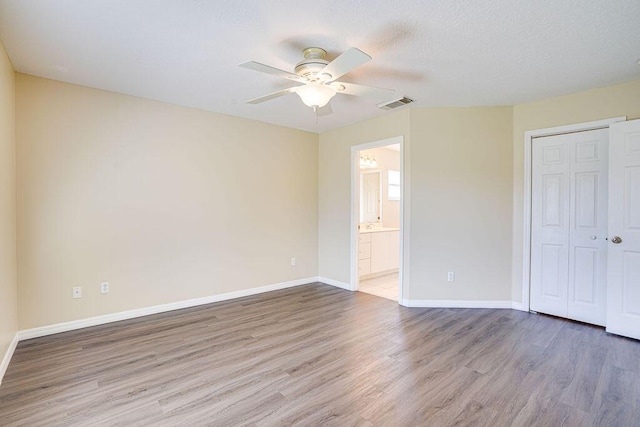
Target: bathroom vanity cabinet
379	251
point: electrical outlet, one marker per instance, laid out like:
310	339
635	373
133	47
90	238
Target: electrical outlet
104	287
293	261
451	276
77	292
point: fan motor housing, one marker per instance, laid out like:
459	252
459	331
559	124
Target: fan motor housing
312	64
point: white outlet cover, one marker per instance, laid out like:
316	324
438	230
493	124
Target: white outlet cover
77	292
104	287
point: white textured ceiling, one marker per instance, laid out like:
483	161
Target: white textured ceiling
438	52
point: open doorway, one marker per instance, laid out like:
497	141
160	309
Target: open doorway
377	220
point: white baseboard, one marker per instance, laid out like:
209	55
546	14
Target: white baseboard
7	356
434	303
456	304
336	283
518	306
130	314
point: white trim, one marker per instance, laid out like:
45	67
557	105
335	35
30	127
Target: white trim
130	314
403	280
336	283
355	211
526	240
518	306
380	143
8	355
457	304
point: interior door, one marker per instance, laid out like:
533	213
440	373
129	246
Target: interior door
587	294
370	197
623	296
550	225
569	225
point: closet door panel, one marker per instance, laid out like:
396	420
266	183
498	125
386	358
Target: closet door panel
588	226
550	227
569	225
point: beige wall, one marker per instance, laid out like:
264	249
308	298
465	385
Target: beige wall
461	202
335	186
458	214
596	104
166	203
8	265
169	203
387	160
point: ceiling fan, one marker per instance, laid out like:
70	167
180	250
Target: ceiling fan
319	78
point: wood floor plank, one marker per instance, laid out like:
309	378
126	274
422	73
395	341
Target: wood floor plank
318	355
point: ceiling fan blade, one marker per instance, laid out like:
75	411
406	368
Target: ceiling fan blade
324	111
256	66
366	91
273	95
346	62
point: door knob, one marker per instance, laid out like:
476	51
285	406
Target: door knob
594	237
616	240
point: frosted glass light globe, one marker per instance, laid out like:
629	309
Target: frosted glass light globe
316	95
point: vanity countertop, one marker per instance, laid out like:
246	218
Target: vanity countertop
377	230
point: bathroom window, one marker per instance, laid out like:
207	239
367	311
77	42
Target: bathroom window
394	185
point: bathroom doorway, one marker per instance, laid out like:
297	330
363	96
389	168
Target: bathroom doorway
377	205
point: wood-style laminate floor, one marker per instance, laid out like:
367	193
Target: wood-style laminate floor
318	355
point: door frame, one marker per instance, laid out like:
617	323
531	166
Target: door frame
355	210
526	240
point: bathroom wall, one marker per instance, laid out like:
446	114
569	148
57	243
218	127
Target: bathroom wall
387	159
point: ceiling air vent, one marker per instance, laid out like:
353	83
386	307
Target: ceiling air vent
395	103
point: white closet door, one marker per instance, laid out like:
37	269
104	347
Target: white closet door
623	306
569	225
550	225
588	226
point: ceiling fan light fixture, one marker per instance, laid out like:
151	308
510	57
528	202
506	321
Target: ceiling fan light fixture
316	95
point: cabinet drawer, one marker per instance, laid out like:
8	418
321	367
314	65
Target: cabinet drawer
365	237
364	267
364	251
